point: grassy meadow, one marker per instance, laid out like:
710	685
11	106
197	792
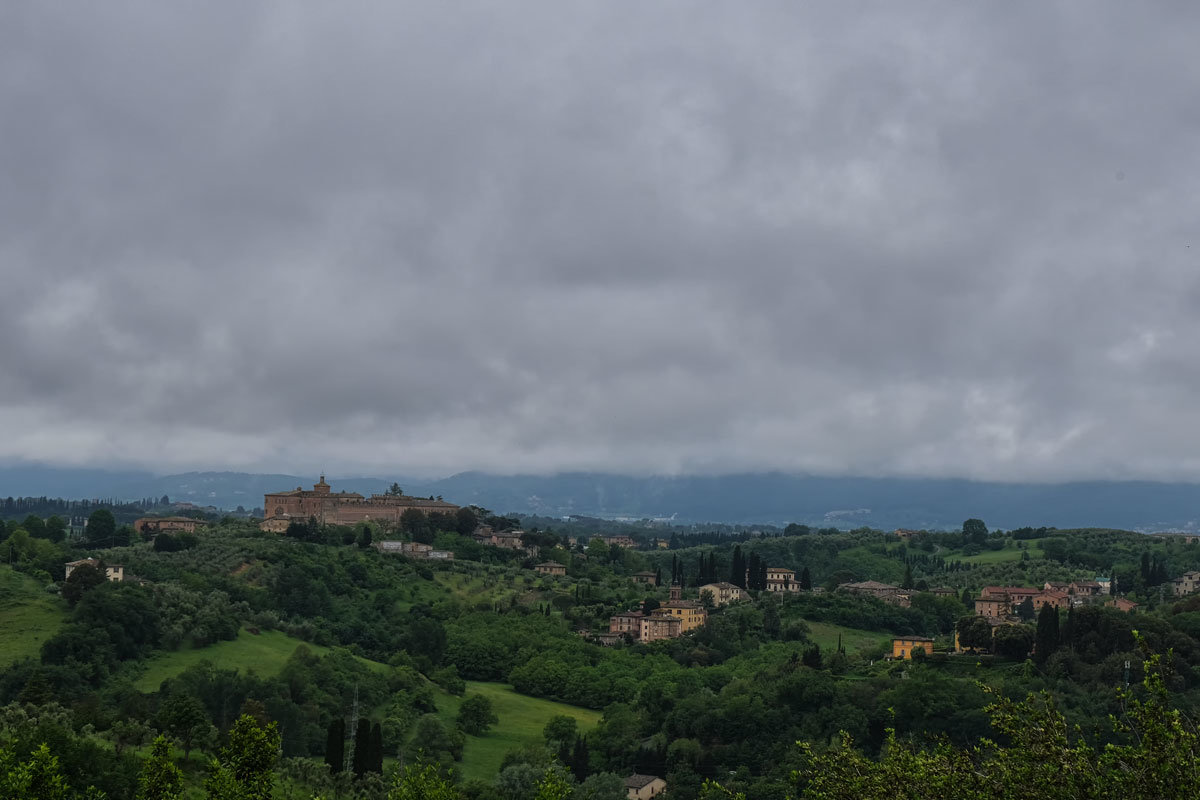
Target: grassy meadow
28	616
826	635
264	653
521	722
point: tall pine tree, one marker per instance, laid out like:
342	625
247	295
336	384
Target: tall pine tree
1046	641
335	746
362	748
579	760
376	764
737	570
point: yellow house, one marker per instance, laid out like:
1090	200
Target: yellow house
691	615
903	646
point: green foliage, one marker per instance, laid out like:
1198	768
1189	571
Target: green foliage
561	729
422	782
335	746
101	530
245	770
38	778
554	785
1013	641
28	616
1157	757
184	716
160	779
475	715
1046	641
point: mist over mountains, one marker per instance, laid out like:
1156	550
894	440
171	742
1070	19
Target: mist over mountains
749	498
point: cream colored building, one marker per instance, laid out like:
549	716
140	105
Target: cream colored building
113	572
643	787
723	592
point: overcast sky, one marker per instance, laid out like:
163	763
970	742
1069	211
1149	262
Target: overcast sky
938	239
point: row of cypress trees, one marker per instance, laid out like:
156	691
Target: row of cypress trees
368	747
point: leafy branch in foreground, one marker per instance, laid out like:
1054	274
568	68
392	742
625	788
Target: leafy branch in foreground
1158	757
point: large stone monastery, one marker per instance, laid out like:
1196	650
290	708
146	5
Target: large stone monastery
341	508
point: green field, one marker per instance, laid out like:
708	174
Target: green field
521	722
28	616
264	654
826	635
996	556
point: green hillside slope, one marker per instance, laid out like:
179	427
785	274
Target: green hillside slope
28	616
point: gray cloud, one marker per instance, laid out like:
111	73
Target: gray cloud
916	239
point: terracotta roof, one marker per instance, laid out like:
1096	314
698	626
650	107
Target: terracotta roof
636	781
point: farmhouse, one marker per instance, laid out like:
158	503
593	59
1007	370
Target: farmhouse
649	578
619	541
113	572
781	580
884	591
658	625
629	622
1121	604
643	787
149	526
1051	597
903	646
1186	584
723	592
550	568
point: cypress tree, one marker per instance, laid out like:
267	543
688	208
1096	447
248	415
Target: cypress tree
376	748
1046	641
579	760
907	583
658	577
805	580
335	746
362	748
737	568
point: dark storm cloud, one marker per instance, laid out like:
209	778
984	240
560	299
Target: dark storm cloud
902	239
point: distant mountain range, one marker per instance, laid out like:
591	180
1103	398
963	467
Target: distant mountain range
749	498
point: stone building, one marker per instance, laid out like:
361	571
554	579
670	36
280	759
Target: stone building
342	508
1186	584
149	526
550	568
